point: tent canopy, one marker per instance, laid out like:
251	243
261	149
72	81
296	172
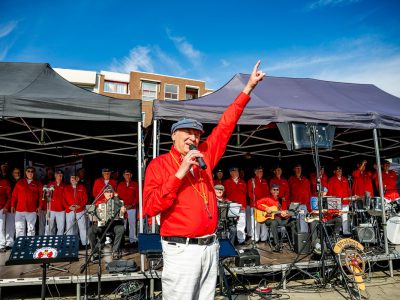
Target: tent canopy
35	90
280	99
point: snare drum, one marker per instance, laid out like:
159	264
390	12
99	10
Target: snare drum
393	230
375	208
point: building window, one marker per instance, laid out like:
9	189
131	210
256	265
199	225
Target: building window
171	92
192	93
116	87
149	90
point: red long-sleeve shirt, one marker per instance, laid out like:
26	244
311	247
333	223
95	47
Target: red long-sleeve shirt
265	202
362	182
77	196
98	188
261	189
5	194
313	181
389	184
183	210
339	188
26	197
57	198
129	192
283	187
236	192
300	190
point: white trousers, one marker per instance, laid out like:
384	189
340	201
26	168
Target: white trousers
25	221
72	227
10	229
56	218
2	229
241	226
261	232
190	271
132	225
345	220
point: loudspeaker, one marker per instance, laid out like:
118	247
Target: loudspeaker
301	239
247	258
366	233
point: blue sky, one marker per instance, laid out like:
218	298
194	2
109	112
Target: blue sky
340	40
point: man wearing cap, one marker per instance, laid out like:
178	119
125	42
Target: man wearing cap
270	205
257	188
389	181
183	193
54	204
4	170
236	191
25	202
231	222
117	227
10	216
101	183
219	174
75	200
338	186
128	191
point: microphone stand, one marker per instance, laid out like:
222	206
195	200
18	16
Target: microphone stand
98	246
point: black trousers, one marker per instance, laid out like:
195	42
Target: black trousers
274	223
95	232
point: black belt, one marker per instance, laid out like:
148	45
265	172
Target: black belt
204	241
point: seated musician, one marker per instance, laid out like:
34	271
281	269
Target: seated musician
117	227
231	222
330	217
271	205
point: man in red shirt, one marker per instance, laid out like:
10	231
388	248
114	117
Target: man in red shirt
300	192
219	175
25	202
257	188
183	193
389	181
313	179
362	180
101	183
5	200
10	216
236	191
283	186
54	203
338	186
128	191
266	204
75	200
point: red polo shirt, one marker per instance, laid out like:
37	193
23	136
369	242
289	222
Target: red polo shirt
98	188
236	191
184	211
389	184
26	196
339	188
300	190
5	193
259	190
57	199
129	193
362	182
77	196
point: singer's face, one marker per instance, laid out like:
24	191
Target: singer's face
184	137
30	173
106	175
108	195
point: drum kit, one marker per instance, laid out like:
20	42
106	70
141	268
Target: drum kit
367	214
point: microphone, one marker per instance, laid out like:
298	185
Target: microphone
200	160
51	188
349	178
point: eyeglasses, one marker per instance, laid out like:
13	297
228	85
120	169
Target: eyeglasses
275	189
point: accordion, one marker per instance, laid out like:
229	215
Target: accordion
111	210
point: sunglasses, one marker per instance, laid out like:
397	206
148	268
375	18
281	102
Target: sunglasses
275	189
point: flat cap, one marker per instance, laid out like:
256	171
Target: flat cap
219	187
187	123
59	172
108	188
274	186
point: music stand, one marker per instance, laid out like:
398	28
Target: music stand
44	250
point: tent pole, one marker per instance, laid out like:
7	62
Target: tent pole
139	163
381	194
155	147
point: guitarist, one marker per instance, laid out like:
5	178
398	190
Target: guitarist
273	204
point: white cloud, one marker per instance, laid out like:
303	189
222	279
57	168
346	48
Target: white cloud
225	63
185	48
139	59
7	28
331	3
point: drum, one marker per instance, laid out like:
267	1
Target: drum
396	206
393	230
375	208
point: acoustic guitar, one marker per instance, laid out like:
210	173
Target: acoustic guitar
262	216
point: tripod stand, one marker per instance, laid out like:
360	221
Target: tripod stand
321	228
